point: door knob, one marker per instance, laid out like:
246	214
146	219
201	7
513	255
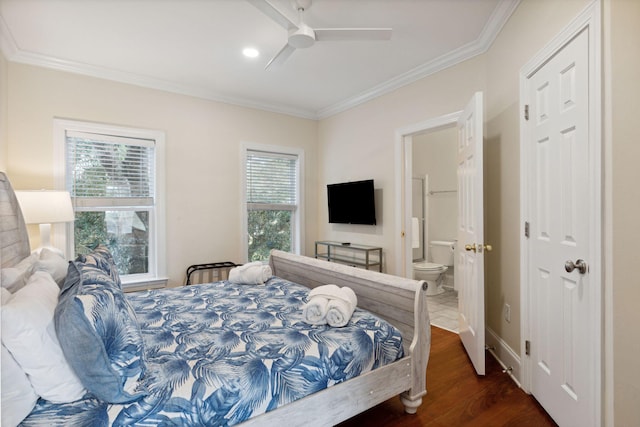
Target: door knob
569	266
478	248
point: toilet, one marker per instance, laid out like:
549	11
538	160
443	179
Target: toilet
441	254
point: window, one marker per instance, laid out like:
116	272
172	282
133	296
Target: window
112	174
273	200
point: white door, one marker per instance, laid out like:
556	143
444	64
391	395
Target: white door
562	351
470	248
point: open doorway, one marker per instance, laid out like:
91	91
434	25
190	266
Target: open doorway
469	246
404	178
434	217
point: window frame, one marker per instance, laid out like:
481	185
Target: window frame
298	223
64	234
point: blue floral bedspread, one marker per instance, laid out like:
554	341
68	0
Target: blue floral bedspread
220	353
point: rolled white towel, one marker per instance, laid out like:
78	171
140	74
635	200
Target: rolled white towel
315	311
339	313
253	273
340	309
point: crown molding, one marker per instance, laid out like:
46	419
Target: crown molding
498	18
443	62
491	30
153	83
13	53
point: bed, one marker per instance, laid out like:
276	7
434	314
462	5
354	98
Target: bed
168	372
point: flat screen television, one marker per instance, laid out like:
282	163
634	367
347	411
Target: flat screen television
352	203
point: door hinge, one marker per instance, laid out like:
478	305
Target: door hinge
527	347
526	229
526	111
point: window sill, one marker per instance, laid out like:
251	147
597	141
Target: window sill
143	285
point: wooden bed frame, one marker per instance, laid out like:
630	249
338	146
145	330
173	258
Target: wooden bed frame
398	300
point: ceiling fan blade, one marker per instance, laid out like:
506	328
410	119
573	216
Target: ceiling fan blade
279	16
331	34
280	57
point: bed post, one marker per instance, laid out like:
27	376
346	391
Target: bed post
419	349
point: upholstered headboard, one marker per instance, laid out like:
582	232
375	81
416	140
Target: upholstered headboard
14	240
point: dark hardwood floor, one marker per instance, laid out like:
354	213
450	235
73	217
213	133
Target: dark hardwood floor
456	396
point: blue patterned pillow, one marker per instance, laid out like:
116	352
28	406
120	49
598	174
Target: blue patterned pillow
102	259
99	333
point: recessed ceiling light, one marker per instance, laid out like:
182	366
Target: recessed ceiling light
250	52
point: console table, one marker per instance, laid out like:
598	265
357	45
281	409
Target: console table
350	253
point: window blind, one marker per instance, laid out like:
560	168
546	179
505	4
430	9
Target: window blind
110	167
271	178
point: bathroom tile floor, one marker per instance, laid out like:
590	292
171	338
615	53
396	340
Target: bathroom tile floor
443	310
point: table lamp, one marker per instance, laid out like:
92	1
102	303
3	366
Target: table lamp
45	207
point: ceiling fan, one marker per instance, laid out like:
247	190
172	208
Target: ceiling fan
301	35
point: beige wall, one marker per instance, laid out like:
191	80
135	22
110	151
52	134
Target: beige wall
4	99
622	92
203	141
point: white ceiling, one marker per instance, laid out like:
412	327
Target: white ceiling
195	47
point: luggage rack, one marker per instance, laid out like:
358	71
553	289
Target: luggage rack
209	272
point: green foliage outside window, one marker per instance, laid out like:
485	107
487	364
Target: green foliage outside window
268	229
130	249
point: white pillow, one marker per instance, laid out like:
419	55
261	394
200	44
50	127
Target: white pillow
18	397
28	332
53	263
14	278
48	248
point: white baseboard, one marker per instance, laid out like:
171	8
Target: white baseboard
504	355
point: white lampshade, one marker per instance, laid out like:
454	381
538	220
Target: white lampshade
45	206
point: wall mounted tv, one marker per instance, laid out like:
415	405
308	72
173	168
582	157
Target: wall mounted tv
352	203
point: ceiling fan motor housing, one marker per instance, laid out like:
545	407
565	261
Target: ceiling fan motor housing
302	37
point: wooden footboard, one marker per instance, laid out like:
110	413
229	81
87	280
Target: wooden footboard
398	300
